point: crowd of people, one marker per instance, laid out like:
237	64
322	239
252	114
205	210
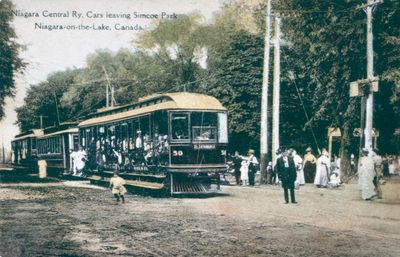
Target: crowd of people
123	153
308	170
292	171
119	154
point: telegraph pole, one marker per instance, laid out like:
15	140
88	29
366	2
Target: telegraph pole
264	98
41	120
276	89
370	74
366	87
107	87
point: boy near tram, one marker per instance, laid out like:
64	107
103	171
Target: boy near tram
117	186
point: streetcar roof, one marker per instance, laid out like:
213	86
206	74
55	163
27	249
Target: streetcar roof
70	130
170	101
30	133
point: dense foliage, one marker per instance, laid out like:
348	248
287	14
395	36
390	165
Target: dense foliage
10	63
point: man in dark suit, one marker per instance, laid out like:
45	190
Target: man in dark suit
286	169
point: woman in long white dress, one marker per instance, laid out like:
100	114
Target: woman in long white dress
323	167
299	169
366	173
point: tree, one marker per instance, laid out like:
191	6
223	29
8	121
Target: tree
176	44
44	99
10	62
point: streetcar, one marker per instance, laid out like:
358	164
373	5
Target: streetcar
56	144
180	137
24	149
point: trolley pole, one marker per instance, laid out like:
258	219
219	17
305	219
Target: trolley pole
276	89
264	99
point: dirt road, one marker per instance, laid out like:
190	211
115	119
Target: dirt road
78	219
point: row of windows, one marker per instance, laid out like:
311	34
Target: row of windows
51	145
184	127
126	130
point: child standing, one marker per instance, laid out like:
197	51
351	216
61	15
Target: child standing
117	185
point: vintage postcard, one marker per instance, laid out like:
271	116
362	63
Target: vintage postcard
199	128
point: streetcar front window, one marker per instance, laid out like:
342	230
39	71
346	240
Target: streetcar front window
180	126
204	126
204	133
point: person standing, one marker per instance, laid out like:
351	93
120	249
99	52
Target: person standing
353	165
236	166
323	168
117	187
276	177
244	172
272	173
299	168
378	172
309	166
287	174
366	174
253	162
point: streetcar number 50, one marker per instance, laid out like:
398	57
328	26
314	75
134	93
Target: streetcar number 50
177	153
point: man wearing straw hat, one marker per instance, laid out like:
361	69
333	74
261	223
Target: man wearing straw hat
253	162
309	165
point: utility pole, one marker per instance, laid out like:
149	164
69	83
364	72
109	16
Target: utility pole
366	87
276	89
58	114
107	86
41	120
370	74
264	99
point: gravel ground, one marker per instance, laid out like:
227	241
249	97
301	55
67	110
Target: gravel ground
73	218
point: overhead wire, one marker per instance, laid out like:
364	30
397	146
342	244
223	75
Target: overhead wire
302	104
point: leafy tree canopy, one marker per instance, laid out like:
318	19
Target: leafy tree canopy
10	62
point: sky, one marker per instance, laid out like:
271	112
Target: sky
56	50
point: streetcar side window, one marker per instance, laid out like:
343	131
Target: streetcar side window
76	142
222	128
58	144
180	126
33	143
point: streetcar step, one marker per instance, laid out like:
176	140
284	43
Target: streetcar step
193	187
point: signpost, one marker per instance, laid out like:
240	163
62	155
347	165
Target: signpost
332	132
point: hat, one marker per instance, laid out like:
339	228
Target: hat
308	149
251	151
365	150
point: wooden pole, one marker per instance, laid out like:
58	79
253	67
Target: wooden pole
264	99
276	90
